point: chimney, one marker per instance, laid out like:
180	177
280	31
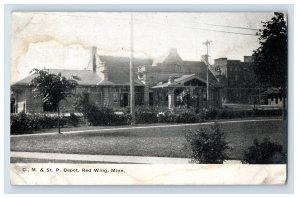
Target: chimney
93	58
99	67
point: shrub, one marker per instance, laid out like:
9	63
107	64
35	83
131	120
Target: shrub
22	123
146	115
161	117
187	117
171	117
208	114
73	120
208	145
123	119
99	115
266	152
18	123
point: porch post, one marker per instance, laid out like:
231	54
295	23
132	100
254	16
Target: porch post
171	98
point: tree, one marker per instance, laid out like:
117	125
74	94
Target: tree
270	59
53	88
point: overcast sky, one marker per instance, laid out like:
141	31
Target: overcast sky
63	40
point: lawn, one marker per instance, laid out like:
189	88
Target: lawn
159	142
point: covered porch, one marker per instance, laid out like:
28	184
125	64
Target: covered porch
187	90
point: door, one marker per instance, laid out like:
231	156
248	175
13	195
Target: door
151	98
123	99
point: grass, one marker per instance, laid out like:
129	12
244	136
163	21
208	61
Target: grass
158	142
85	127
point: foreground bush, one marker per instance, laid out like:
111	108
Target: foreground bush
208	145
266	152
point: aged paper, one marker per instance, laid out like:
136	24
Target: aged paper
178	72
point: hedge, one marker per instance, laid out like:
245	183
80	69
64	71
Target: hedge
22	123
101	116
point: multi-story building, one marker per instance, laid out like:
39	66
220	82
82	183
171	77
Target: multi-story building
238	79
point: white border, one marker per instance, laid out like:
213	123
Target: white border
296	69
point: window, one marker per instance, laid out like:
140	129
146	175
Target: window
124	99
115	97
139	99
204	96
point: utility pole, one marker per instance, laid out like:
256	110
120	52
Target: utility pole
132	104
207	43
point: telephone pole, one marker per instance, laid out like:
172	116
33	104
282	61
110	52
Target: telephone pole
132	104
207	43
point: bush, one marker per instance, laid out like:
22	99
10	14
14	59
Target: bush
161	117
146	115
18	123
73	120
187	117
99	115
208	145
22	123
171	117
266	152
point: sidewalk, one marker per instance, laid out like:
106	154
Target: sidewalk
107	158
101	158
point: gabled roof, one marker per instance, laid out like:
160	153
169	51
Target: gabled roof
83	77
188	67
171	58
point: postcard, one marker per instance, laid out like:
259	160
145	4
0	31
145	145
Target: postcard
148	98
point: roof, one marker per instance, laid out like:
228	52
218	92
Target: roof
172	57
185	78
118	72
83	77
188	67
119	68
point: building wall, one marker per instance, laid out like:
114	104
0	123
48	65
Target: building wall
105	95
238	79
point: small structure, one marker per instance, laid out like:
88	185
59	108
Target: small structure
274	96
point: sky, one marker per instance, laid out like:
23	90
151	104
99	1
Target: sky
62	40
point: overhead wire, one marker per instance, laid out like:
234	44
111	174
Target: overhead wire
172	25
